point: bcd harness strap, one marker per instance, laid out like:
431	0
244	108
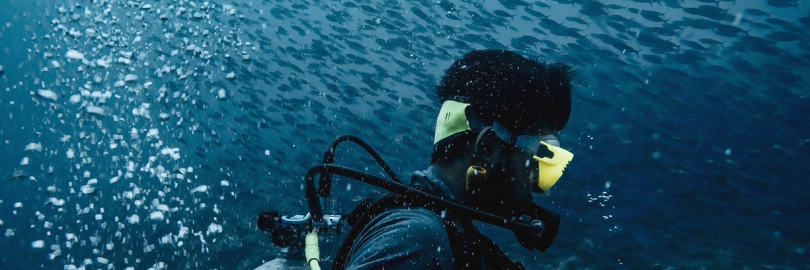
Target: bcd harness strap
468	245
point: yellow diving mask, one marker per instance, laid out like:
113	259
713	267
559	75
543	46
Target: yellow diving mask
454	119
549	169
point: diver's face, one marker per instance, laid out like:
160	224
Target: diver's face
509	183
518	171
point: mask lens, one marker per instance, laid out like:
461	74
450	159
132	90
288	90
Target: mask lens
533	143
550	139
529	143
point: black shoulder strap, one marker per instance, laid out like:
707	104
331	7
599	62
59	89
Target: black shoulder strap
469	246
473	250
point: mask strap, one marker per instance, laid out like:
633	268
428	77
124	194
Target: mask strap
503	132
483	145
481	140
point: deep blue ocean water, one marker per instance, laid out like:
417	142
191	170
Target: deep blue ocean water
689	129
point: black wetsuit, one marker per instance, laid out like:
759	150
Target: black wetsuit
410	238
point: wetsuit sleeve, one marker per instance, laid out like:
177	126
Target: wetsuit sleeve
404	239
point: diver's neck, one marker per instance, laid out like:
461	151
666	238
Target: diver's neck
455	176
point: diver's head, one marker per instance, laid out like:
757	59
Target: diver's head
499	112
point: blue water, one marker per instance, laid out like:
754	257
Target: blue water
689	128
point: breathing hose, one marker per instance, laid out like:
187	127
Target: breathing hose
312	251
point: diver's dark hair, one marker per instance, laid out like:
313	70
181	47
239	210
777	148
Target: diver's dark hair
506	87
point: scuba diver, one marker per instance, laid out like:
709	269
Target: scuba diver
495	144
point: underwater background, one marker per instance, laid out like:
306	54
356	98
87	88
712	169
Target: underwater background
150	134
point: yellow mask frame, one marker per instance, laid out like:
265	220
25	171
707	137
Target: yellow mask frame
549	170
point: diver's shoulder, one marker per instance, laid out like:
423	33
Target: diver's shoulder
408	216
